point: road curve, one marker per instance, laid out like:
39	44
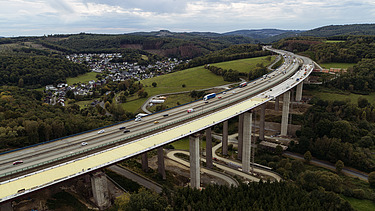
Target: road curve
256	169
231	181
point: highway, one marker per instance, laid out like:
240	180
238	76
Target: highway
153	131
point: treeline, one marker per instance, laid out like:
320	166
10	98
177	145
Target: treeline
339	130
335	30
36	71
26	120
254	196
233	52
228	75
359	79
351	50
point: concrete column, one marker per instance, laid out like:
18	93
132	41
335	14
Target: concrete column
240	136
299	92
277	103
99	184
195	179
285	115
144	162
261	121
161	166
225	138
246	151
208	148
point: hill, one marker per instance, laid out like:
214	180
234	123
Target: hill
339	30
261	33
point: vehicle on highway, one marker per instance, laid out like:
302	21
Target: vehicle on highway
156	122
224	93
243	84
126	131
141	115
219	97
122	128
138	119
190	110
17	162
101	131
83	143
165	115
209	96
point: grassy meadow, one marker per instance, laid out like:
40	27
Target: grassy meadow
245	65
85	78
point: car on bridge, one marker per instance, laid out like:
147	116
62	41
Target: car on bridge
126	131
122	128
101	131
83	143
17	162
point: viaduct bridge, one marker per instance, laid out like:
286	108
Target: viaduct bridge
59	160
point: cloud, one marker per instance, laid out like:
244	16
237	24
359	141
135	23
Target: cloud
25	17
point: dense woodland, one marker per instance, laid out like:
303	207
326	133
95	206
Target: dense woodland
254	196
36	71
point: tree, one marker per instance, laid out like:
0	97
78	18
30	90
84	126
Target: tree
183	85
307	156
339	166
371	179
279	150
154	84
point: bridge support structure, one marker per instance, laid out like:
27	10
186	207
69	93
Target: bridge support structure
277	99
285	114
240	136
161	165
99	184
246	148
209	148
144	162
225	138
299	92
195	179
261	121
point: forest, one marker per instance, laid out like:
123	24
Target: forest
34	71
254	196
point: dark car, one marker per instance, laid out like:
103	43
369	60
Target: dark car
122	128
126	131
17	162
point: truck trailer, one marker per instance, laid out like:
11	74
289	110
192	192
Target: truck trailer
209	96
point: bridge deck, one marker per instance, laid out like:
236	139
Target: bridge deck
56	174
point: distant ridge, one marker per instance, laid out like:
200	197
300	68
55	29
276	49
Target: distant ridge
261	33
339	30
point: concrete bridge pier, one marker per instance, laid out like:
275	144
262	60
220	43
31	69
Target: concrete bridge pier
225	138
161	165
246	150
195	179
277	99
208	148
99	184
299	92
285	114
261	121
240	136
144	162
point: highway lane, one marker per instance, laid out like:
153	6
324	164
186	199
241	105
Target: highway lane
72	145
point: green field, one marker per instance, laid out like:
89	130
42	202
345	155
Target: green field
360	204
337	65
334	41
244	65
183	144
85	78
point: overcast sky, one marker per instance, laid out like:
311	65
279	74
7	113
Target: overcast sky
44	17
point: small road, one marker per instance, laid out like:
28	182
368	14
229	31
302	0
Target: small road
231	181
325	164
256	169
136	178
